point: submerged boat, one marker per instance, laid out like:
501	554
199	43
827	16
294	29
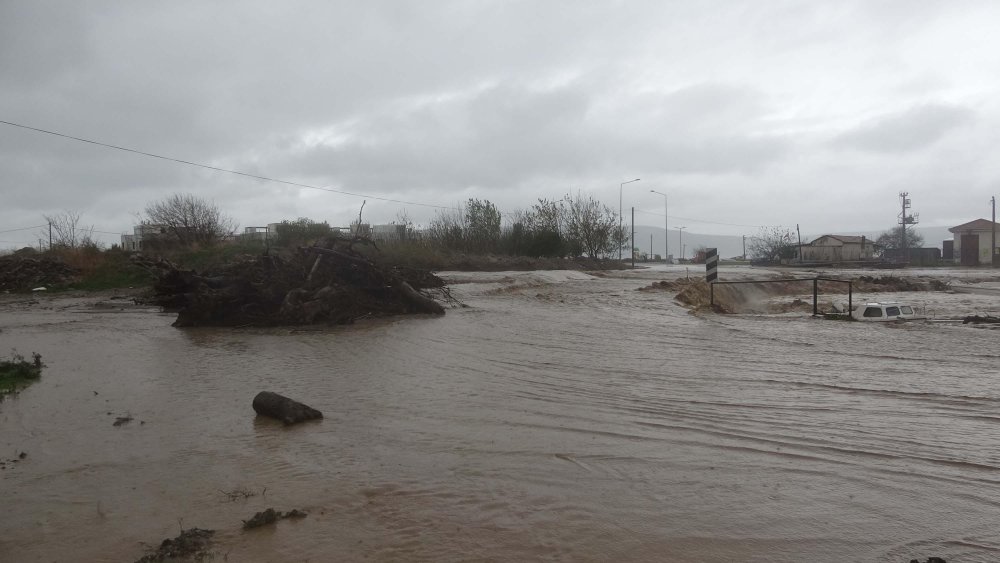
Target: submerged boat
887	311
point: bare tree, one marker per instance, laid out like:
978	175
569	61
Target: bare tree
894	238
190	219
771	245
67	232
592	226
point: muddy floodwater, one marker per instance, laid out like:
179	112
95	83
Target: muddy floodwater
560	416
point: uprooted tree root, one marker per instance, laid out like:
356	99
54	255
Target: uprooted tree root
270	516
191	544
328	283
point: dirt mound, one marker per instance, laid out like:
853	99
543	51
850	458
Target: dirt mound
330	283
675	285
19	273
696	294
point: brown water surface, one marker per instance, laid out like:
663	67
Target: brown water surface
556	418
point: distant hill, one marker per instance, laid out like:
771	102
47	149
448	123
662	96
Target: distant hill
728	245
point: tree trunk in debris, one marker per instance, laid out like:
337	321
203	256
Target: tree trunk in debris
282	408
418	300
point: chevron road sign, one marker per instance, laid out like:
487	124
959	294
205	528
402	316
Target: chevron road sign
711	264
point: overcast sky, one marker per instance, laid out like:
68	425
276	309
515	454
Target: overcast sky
745	113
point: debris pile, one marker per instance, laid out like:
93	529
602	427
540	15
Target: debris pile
270	516
328	283
190	544
19	273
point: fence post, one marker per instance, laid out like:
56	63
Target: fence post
815	296
850	299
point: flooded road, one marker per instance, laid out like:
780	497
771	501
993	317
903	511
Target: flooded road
559	417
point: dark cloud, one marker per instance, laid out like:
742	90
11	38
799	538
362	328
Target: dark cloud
908	131
507	100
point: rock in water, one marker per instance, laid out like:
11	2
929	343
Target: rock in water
282	408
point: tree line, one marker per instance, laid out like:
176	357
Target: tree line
575	225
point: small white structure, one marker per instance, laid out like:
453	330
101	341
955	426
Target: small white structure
972	242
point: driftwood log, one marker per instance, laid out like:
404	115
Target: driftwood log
282	408
978	319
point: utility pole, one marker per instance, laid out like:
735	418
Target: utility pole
800	241
680	239
50	236
744	247
993	233
666	228
632	244
650	247
620	231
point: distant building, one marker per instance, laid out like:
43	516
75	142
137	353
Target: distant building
838	248
143	235
972	242
914	256
259	234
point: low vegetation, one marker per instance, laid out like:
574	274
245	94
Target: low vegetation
572	232
17	372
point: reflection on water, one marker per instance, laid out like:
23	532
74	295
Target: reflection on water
572	419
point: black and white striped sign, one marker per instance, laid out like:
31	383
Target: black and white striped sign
711	264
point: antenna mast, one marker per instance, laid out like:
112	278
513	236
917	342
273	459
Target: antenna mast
904	221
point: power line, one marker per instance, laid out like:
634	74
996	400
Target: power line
704	221
82	229
216	168
25	228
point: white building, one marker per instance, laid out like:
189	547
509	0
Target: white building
140	233
973	240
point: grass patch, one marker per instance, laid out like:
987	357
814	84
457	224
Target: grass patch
113	271
206	258
17	372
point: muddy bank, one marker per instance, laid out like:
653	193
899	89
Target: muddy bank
696	294
496	263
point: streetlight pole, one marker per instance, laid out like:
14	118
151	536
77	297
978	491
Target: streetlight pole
620	225
666	229
680	239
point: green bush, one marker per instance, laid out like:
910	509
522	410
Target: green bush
17	372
